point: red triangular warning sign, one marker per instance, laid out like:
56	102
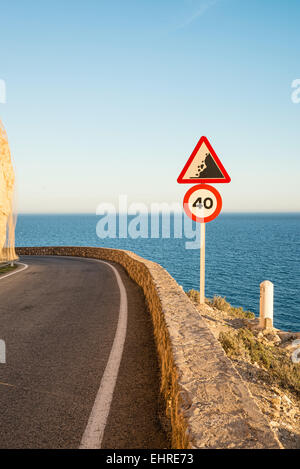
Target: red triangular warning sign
203	166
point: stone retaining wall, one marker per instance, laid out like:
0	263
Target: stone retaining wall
205	402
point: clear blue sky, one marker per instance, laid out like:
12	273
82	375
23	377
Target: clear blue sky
110	97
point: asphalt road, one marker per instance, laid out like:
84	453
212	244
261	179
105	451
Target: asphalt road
58	319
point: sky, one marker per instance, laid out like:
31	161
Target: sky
110	97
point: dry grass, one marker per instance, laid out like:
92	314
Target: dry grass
193	295
7	268
282	371
220	303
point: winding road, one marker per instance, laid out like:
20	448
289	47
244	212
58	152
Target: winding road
81	367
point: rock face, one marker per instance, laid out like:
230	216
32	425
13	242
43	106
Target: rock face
7	179
204	401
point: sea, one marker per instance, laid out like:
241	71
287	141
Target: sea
242	250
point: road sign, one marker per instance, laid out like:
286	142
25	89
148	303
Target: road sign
202	203
203	166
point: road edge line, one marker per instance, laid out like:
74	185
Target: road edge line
16	271
94	431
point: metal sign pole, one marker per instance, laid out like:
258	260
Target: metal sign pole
202	264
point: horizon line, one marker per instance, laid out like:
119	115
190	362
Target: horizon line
295	212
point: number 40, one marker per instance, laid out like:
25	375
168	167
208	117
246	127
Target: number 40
207	202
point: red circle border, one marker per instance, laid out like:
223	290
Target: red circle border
196	188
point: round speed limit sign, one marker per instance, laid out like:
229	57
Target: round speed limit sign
202	203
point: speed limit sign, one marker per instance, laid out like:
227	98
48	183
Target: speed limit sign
202	203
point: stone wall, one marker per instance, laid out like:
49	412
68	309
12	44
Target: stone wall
205	403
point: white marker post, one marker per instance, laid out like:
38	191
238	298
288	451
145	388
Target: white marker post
202	264
266	304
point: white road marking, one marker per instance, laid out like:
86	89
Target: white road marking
93	434
16	271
